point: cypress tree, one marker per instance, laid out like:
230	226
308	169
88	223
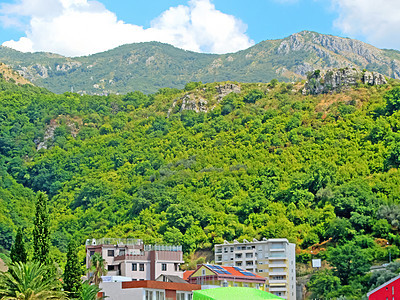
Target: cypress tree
72	273
41	234
18	252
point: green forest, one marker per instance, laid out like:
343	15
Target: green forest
321	171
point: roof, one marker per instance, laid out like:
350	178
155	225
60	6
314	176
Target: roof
152	284
383	285
237	293
172	278
186	274
232	272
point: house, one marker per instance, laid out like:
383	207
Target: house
148	290
133	259
390	290
274	259
212	276
236	293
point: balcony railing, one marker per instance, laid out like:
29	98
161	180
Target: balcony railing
113	241
162	248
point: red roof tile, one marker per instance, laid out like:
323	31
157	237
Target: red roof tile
186	274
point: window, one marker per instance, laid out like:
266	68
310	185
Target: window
239	263
121	251
163	267
149	295
92	252
110	252
203	272
238	255
180	296
134	267
245	285
159	295
176	266
249	255
110	268
225	250
141	267
231	249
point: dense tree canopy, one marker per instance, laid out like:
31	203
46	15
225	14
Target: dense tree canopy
265	162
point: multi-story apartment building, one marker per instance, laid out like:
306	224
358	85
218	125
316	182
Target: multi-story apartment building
132	259
273	259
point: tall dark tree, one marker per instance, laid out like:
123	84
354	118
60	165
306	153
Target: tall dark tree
41	233
72	273
18	252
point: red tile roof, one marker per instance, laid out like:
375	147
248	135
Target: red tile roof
186	274
233	272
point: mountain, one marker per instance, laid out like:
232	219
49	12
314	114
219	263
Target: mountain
150	66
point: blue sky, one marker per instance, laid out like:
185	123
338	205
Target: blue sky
80	27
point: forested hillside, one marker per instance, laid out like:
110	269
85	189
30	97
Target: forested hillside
148	67
263	161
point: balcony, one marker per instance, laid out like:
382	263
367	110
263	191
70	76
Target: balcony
272	273
277	266
277	282
277	289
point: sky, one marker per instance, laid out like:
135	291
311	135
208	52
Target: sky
83	27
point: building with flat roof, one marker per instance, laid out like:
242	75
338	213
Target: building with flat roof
147	290
133	259
274	259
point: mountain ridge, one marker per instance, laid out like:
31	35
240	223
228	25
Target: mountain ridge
150	66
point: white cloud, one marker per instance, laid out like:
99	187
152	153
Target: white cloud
82	27
376	20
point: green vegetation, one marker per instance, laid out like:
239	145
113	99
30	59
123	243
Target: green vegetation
266	162
29	281
72	282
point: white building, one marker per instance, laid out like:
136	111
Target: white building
131	258
274	259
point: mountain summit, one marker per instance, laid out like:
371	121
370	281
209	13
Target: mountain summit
150	66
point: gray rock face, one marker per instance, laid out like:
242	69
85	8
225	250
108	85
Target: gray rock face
224	90
336	80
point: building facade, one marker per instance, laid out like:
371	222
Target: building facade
274	259
131	258
390	290
147	290
214	276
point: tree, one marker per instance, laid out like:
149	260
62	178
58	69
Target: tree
392	98
18	252
349	261
30	281
97	268
41	234
89	292
323	283
72	273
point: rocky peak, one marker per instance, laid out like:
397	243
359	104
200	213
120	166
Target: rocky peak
336	80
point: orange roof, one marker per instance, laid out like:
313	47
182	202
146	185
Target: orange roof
186	274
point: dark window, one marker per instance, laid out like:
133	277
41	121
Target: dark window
141	267
92	252
110	252
110	268
176	267
164	267
134	267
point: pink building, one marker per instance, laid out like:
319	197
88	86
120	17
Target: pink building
132	259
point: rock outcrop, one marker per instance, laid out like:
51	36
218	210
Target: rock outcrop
336	80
